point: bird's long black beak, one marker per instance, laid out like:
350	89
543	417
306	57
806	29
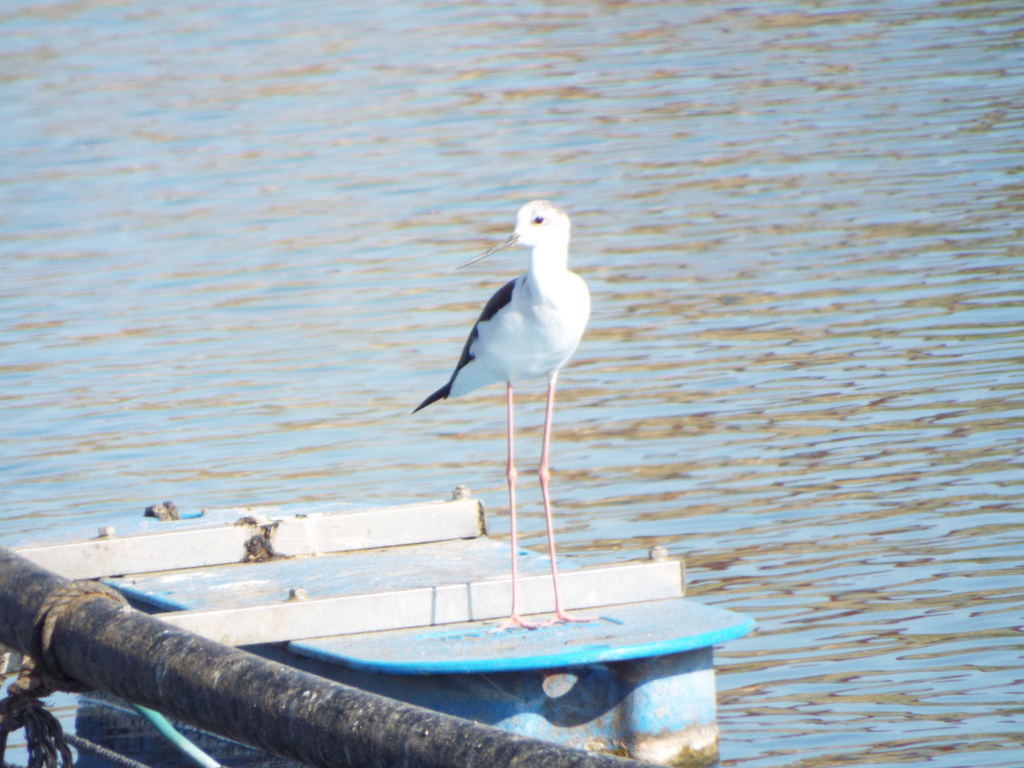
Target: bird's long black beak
505	244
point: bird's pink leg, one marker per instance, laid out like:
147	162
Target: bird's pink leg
545	475
514	619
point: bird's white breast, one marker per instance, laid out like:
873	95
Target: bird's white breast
537	331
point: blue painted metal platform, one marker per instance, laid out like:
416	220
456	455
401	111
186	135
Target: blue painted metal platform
621	633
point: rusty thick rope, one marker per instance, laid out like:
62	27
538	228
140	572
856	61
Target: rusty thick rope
50	677
43	733
41	676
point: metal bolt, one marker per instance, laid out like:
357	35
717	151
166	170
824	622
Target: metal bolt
297	593
107	531
658	553
461	492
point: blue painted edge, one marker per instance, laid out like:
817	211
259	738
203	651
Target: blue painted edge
741	626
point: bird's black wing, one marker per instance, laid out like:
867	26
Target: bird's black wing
502	297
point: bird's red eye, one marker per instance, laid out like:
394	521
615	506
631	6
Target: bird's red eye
538	219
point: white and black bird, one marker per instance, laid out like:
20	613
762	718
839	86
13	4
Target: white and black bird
529	328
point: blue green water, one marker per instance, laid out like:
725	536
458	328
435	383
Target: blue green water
228	235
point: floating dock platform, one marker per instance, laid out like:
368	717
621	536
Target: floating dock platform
401	601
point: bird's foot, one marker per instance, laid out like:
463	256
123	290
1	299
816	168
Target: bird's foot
515	621
562	617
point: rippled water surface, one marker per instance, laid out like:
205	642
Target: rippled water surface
229	233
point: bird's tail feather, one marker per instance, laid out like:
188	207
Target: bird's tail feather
441	394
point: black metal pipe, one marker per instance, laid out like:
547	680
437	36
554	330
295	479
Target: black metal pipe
240	696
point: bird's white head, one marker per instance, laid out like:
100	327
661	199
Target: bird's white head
539	225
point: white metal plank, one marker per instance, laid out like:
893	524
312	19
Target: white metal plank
188	544
119	555
427	606
389	527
